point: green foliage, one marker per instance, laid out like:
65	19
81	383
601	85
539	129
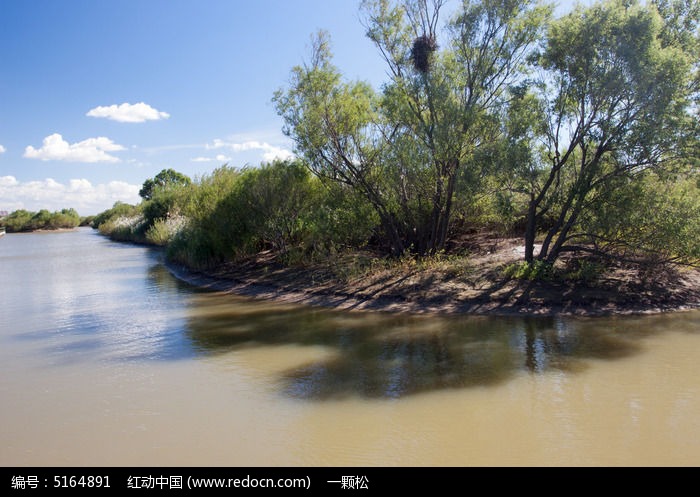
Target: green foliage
404	150
18	220
277	198
452	111
648	216
159	216
616	97
160	233
278	207
164	180
124	228
206	239
166	203
22	220
339	219
584	271
336	126
530	271
579	270
87	220
123	222
119	209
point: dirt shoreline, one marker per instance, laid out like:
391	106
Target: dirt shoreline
436	288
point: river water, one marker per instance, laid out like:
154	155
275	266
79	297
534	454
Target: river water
107	360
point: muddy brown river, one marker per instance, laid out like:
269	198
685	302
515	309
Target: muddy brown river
107	360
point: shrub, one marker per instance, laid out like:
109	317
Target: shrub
119	209
584	270
163	231
22	220
278	206
537	270
125	229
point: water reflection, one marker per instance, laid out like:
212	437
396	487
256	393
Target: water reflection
81	298
119	303
100	343
386	356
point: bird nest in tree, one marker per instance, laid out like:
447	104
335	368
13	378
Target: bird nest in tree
423	48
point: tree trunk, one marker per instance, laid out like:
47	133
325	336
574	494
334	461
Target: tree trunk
557	228
435	217
564	232
447	213
531	230
442	207
388	222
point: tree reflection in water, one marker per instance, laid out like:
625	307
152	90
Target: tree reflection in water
389	356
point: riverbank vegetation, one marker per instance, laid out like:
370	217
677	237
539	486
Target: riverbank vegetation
573	142
23	221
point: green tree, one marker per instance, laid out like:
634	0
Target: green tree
22	220
119	209
680	23
616	97
40	220
18	221
404	150
336	127
277	198
65	218
450	106
165	179
208	237
651	217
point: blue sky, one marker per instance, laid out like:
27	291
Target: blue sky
97	95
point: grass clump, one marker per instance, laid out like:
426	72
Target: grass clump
530	271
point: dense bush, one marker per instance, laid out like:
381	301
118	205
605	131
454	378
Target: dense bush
119	209
278	206
651	217
205	237
157	219
125	228
22	220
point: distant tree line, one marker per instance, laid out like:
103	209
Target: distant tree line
22	220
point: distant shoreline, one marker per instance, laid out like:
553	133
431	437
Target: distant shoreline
433	290
44	231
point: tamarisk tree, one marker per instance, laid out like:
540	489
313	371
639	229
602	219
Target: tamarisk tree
445	101
405	148
616	94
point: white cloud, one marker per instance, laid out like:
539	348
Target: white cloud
49	194
270	152
54	147
128	113
218	158
6	181
277	153
2	149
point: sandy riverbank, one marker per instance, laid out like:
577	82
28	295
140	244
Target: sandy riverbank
471	285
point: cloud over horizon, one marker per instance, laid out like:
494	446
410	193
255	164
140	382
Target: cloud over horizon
128	113
54	147
270	152
79	194
218	158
